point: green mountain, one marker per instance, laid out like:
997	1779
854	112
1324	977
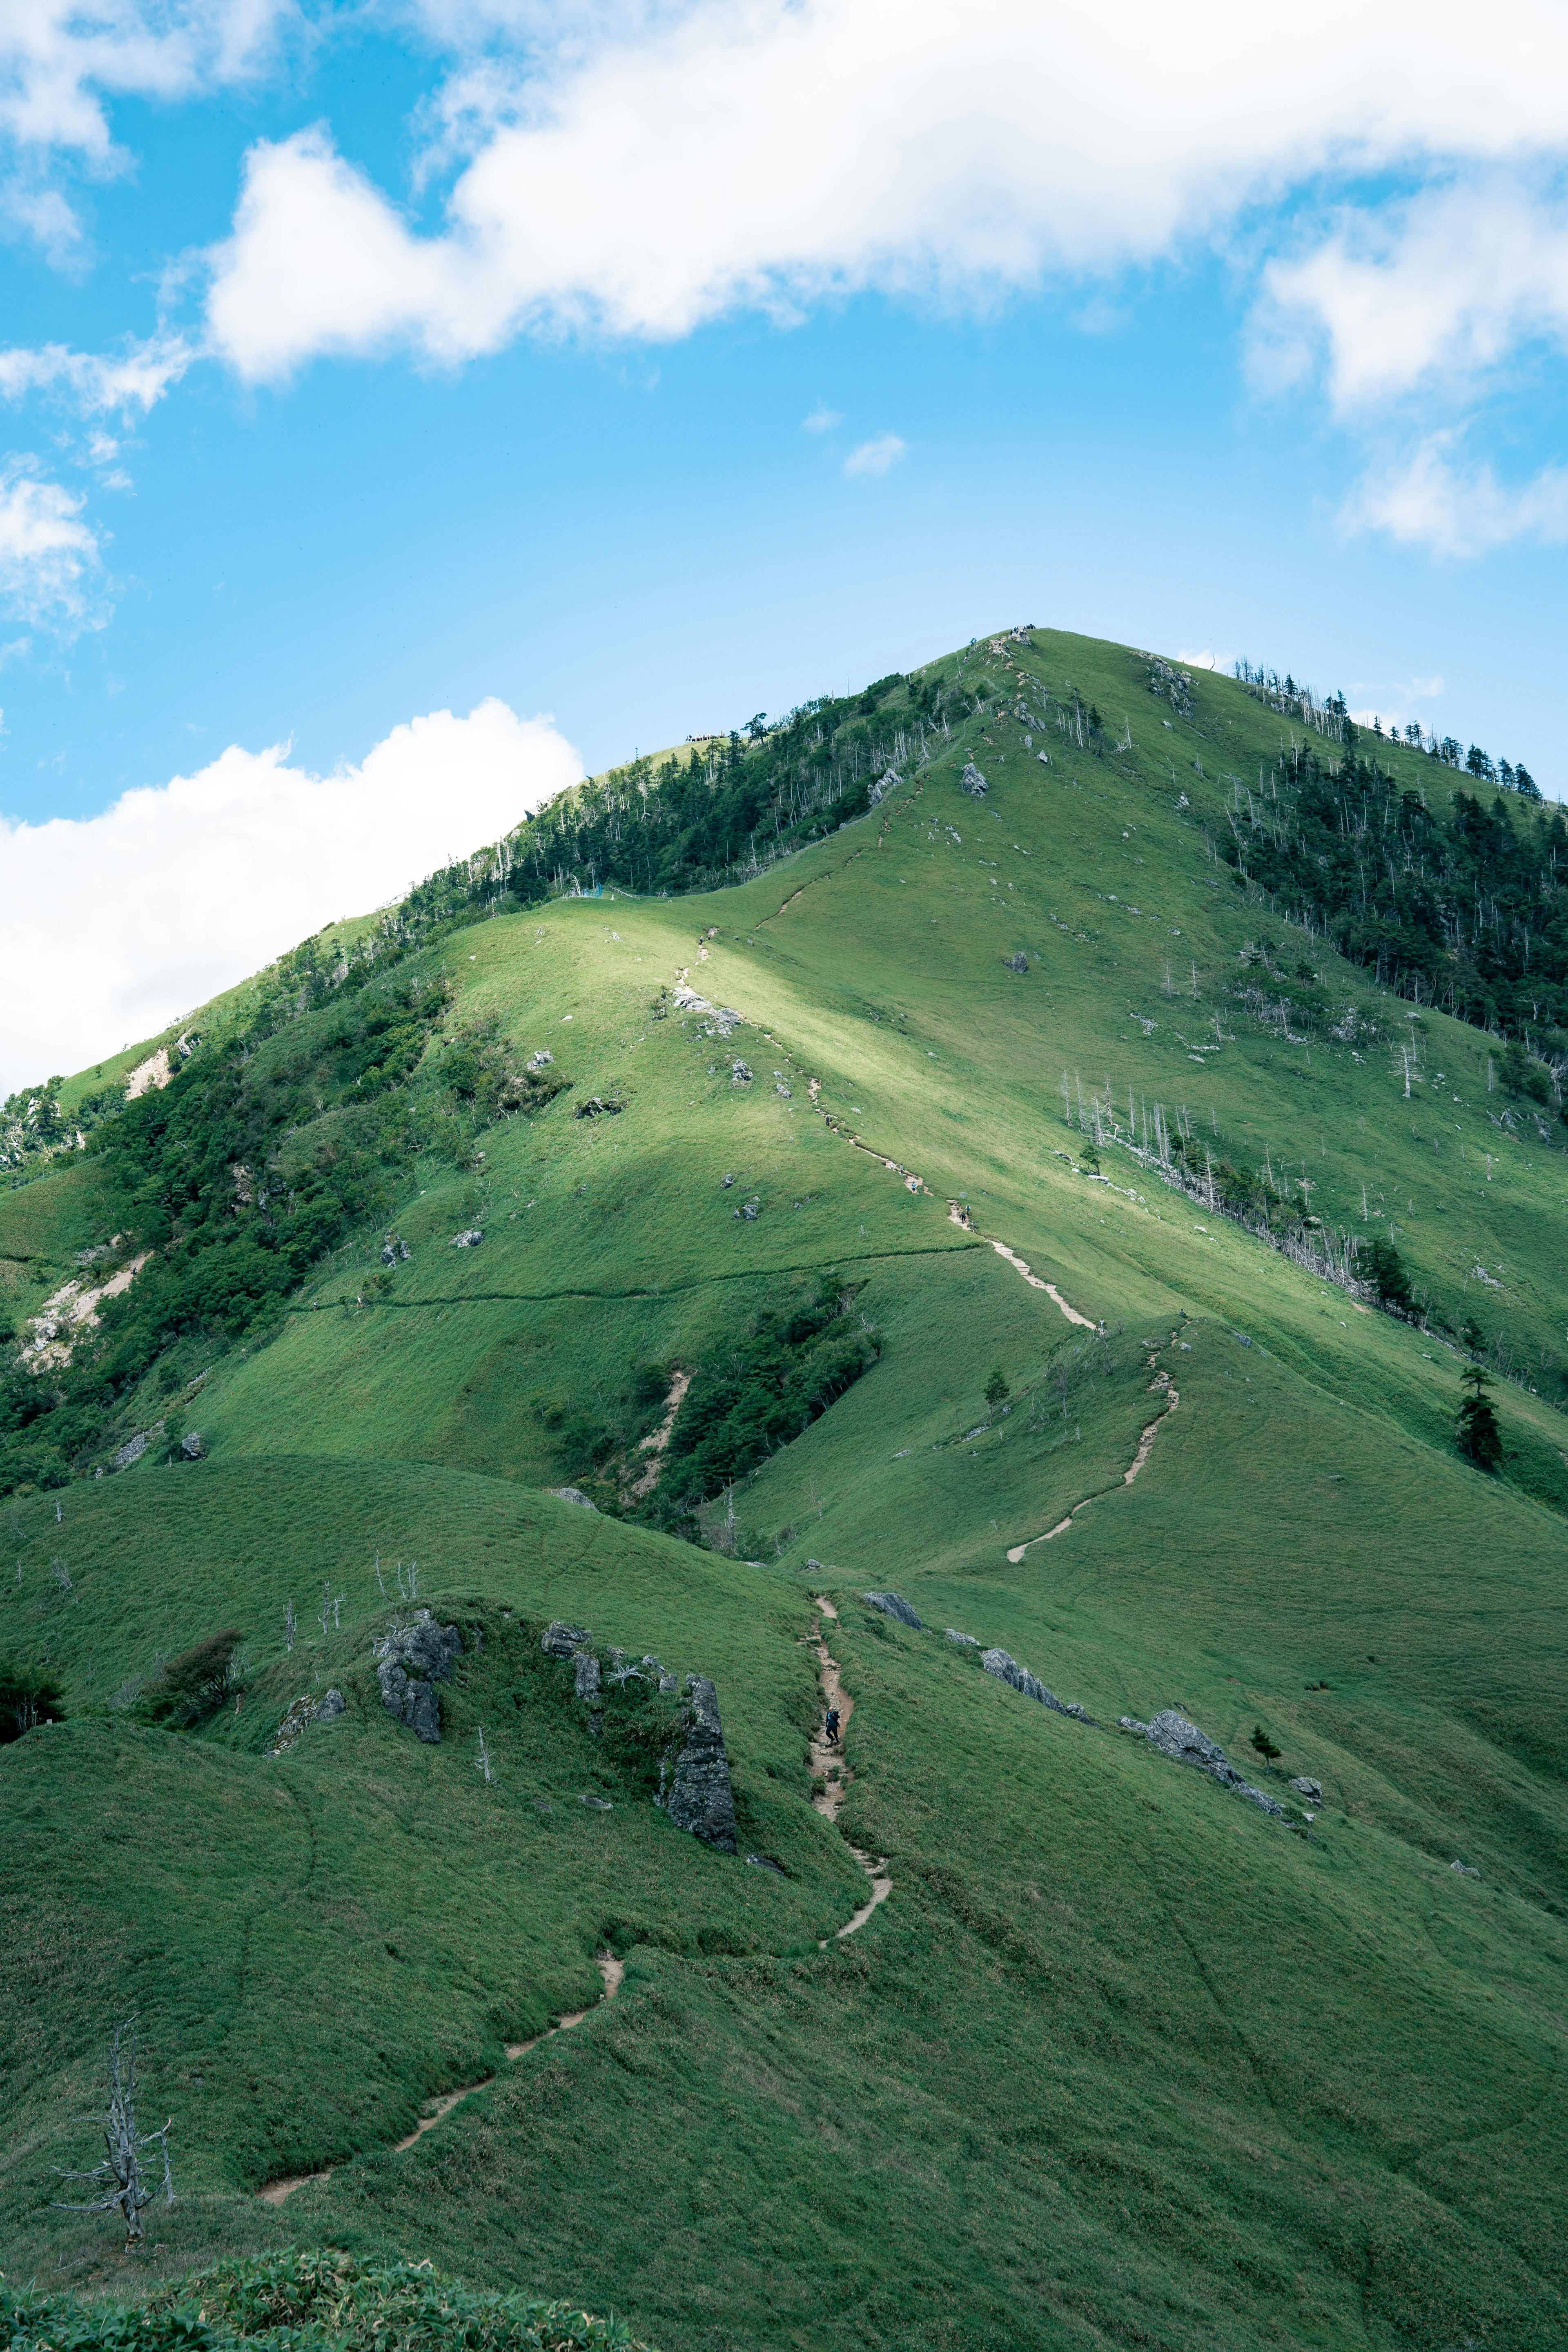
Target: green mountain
1046	1141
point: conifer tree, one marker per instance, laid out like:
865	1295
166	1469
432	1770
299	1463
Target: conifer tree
1476	1431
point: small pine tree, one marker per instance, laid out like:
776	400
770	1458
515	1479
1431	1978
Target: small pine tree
1262	1742
997	1389
1476	1431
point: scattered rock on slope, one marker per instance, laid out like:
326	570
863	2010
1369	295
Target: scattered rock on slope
301	1715
411	1659
892	1604
560	1639
972	781
572	1495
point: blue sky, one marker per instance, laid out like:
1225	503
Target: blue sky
639	367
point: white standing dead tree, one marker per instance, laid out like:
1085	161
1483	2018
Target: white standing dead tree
290	1626
121	2175
483	1760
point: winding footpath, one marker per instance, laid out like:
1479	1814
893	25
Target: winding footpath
613	1970
1161	1381
827	1762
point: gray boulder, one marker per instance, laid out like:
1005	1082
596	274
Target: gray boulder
1312	1789
411	1659
560	1639
586	1677
972	782
1008	1670
572	1495
192	1445
1019	963
468	1239
969	1639
1176	1736
892	1604
301	1715
739	1074
887	782
700	1797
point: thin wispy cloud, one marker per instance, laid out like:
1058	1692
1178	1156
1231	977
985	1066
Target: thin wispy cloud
875	457
49	558
821	420
1433	499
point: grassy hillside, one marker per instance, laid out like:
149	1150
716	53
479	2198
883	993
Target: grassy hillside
1056	1085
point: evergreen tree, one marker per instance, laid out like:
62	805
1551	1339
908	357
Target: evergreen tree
1476	1431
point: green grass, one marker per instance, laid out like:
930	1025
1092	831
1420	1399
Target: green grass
1121	2061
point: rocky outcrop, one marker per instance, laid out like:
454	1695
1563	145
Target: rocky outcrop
1018	963
301	1715
893	1605
1008	1670
972	782
1176	1736
699	1798
560	1639
1312	1789
969	1639
887	782
572	1495
410	1660
587	1678
469	1238
192	1445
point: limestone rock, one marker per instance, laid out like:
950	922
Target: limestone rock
411	1660
469	1238
1008	1670
887	782
1018	963
892	1604
597	1106
701	1798
192	1445
572	1495
1312	1789
972	782
967	1638
561	1640
739	1074
1176	1736
301	1715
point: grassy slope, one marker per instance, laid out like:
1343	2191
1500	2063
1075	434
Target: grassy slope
1121	2061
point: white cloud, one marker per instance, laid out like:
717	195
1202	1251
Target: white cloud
181	889
873	458
664	166
1433	502
48	556
821	420
1436	292
97	385
1204	660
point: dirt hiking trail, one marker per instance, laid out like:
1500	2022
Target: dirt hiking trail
1161	1381
613	1970
828	1760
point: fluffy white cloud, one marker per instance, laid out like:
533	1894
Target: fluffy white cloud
875	457
775	151
47	554
181	889
1437	291
1432	499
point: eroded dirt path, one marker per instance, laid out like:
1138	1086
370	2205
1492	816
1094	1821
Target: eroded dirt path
1161	1381
613	1972
827	1759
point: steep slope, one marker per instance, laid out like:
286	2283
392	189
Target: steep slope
1033	1083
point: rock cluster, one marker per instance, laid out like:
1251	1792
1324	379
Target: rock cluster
395	1251
972	782
192	1445
892	1604
469	1239
1312	1789
695	1791
1018	963
597	1106
410	1660
1176	1736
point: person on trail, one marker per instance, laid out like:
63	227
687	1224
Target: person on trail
833	1726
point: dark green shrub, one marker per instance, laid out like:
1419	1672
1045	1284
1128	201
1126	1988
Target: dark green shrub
193	1685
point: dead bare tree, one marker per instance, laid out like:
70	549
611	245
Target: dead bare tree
483	1760
290	1626
120	2174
